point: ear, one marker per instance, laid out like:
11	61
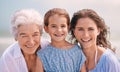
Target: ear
46	28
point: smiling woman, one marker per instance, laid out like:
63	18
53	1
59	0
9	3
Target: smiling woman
26	27
90	32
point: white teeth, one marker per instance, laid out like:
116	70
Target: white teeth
86	40
29	46
58	35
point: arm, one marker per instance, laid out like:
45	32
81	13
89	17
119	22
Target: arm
83	68
3	67
39	67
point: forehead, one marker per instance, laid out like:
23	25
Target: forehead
57	18
28	28
86	22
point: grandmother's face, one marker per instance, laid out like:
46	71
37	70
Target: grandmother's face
29	38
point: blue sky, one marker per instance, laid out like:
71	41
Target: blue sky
109	10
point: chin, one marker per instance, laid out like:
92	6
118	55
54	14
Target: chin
31	53
85	46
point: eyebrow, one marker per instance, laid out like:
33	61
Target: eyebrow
25	33
78	27
22	34
36	32
53	24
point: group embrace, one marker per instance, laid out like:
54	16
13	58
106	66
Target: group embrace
88	49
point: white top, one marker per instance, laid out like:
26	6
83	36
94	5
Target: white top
13	60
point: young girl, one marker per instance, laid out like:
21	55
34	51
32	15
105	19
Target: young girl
60	55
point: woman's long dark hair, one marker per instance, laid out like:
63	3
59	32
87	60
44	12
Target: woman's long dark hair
102	37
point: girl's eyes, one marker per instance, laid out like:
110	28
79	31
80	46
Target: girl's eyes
53	26
56	26
63	26
80	29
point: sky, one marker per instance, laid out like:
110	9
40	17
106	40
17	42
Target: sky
109	10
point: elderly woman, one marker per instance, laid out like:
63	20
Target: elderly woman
21	56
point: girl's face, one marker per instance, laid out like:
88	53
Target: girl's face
86	32
29	38
57	28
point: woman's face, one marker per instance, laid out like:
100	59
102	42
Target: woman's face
29	38
86	32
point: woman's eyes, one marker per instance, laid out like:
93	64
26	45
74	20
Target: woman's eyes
89	29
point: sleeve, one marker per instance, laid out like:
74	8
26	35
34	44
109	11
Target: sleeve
41	56
83	58
7	63
3	65
112	64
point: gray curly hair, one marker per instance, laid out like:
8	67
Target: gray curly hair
25	16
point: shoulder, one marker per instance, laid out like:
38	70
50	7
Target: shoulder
7	58
44	51
110	58
11	52
109	55
44	43
78	49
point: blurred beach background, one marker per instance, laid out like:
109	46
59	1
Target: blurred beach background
108	10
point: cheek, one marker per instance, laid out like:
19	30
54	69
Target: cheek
22	42
77	34
37	39
94	35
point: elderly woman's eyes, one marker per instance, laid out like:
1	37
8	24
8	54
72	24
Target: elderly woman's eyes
36	35
23	36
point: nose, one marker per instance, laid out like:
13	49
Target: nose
30	41
59	29
86	34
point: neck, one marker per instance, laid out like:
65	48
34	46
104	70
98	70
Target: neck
29	56
30	61
63	44
91	55
59	44
90	52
